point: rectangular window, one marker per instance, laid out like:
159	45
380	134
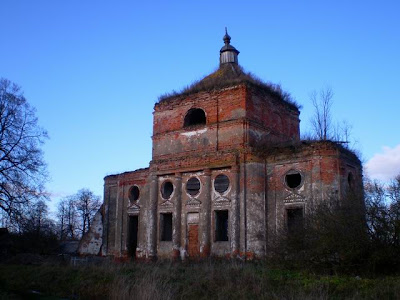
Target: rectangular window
166	226
221	225
295	219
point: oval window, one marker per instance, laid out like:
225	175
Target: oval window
193	186
221	183
134	193
166	189
293	179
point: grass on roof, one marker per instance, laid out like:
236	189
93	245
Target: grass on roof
229	75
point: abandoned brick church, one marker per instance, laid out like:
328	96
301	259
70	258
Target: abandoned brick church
228	169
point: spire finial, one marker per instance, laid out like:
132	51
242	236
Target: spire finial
228	53
227	38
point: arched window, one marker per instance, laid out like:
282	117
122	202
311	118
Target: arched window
195	116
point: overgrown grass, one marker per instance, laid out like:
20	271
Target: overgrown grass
229	75
200	280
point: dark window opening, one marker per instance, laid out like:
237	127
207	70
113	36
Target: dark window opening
133	235
293	180
166	189
295	219
193	186
221	225
134	193
166	226
221	183
350	180
195	116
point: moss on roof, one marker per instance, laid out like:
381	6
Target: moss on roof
229	75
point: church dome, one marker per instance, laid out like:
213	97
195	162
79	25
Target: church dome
228	53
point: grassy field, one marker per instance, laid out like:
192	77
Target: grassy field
200	280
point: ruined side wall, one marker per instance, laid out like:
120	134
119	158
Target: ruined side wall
110	217
118	206
92	241
324	171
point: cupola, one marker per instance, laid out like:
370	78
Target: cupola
228	53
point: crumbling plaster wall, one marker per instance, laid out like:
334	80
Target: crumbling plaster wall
118	207
253	209
324	170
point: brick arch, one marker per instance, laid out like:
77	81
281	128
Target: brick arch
195	116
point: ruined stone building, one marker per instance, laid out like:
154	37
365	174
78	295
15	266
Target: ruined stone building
228	168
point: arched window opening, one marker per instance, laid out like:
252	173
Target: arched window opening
166	189
195	116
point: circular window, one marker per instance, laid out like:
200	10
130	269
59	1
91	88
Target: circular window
193	186
134	193
166	189
293	179
221	183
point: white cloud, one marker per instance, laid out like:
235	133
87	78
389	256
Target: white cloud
384	166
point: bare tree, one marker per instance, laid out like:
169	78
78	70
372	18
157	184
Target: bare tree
87	204
38	221
22	169
321	121
394	208
67	218
75	214
62	219
323	125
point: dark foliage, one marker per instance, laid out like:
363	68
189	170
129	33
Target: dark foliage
333	239
383	220
346	237
37	232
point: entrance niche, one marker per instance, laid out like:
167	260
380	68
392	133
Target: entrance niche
295	220
133	235
193	235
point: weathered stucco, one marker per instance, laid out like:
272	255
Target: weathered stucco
249	140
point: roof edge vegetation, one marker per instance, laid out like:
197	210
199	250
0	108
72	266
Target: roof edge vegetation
228	75
298	146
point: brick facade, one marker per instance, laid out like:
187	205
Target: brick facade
219	188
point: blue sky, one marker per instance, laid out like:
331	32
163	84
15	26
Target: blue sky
94	69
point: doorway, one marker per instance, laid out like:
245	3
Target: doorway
133	235
193	235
